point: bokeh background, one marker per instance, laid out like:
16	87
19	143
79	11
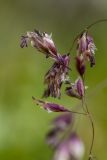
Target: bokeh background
23	125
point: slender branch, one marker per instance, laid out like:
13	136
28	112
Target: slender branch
93	132
91	121
79	113
96	22
97	88
74	41
92	125
83	106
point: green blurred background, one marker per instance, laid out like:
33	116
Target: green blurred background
22	124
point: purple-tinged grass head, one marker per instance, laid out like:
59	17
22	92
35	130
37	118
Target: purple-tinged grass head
52	137
50	107
57	74
41	41
80	87
76	89
82	43
86	47
63	120
70	149
59	125
76	147
62	152
24	41
80	65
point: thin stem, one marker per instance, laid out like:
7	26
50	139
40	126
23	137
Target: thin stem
96	22
83	106
85	30
93	132
79	113
74	42
83	98
91	121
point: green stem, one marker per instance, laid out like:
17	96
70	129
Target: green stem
93	131
91	121
96	22
79	113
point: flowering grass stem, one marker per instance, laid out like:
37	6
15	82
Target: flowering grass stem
56	76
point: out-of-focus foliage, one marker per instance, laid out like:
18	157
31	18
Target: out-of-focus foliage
22	125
